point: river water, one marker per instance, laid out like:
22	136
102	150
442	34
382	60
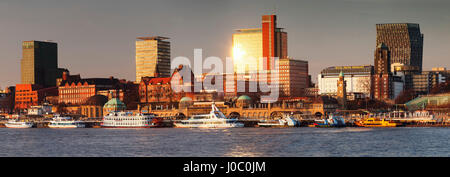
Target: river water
235	142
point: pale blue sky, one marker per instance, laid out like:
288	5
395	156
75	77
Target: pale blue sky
96	37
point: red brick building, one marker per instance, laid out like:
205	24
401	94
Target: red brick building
76	92
31	95
158	91
382	84
383	76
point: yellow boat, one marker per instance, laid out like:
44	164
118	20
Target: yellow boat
373	122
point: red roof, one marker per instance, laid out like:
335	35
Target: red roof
162	80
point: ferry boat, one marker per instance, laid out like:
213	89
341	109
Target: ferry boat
18	124
373	122
65	122
122	119
215	119
332	121
286	121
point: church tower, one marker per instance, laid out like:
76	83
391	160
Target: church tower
342	91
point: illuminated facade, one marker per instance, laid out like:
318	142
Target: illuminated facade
152	57
39	63
28	95
255	47
247	49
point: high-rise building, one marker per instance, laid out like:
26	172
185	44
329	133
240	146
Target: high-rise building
247	49
387	84
382	59
274	40
252	47
383	76
293	77
405	42
152	57
39	64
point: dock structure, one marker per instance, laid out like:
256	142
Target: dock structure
251	119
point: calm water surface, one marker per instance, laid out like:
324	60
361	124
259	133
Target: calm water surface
249	142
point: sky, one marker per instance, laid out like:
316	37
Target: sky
96	38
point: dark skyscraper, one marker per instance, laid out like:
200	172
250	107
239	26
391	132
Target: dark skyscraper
405	42
39	64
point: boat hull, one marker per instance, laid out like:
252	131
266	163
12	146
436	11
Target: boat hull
124	127
237	125
273	125
374	125
362	125
328	126
18	126
62	127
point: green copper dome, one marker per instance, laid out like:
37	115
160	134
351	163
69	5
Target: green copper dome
115	103
186	99
244	97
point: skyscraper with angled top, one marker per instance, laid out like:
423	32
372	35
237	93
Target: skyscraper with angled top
152	57
405	42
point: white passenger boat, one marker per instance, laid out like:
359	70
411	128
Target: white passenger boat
129	120
215	119
286	121
18	124
65	122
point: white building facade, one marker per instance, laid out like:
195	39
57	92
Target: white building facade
358	78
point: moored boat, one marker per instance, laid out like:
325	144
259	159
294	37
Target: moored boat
332	121
285	121
374	122
116	119
18	124
215	119
65	122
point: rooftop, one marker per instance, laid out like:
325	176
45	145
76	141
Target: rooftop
153	38
249	30
92	81
347	70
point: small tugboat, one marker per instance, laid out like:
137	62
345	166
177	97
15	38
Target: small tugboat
332	121
18	124
373	122
286	121
120	119
215	119
65	122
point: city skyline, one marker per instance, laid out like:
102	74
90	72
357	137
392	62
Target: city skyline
92	37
